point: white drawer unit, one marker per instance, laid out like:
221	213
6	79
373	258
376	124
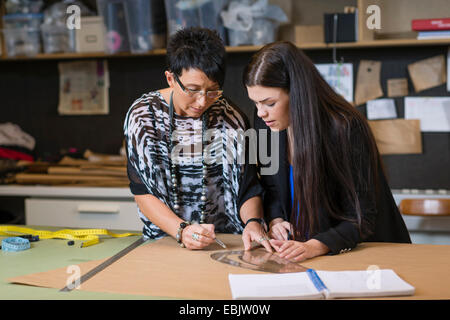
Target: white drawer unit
80	213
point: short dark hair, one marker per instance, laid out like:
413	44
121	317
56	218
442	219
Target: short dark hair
197	48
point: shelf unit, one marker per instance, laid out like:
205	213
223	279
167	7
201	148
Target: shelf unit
367	38
396	17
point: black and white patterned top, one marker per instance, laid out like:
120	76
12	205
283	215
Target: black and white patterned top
229	181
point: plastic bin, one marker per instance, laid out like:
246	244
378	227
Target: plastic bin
195	13
22	42
57	38
24	6
20	20
22	34
113	13
146	22
263	31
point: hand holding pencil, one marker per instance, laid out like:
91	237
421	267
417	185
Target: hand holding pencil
199	236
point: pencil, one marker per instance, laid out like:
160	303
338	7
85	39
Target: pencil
220	243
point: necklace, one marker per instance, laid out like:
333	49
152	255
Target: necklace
174	172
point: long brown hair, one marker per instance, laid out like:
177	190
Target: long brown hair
327	168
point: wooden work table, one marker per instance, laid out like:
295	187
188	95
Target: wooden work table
163	263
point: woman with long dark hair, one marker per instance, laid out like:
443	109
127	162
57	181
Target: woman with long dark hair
328	158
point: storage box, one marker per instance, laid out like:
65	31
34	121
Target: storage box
263	31
22	34
146	23
189	13
308	34
20	20
22	42
91	36
345	25
114	19
57	38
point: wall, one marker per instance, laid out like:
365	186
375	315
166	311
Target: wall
29	98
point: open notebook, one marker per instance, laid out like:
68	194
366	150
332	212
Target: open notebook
319	285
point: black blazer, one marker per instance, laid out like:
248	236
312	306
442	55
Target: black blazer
339	236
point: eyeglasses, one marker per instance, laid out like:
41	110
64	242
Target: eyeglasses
199	93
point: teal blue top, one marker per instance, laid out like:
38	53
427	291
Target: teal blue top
291	184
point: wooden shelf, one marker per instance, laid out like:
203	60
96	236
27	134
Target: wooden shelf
304	46
393	24
376	43
74	55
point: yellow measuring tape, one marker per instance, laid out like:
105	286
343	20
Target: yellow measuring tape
90	236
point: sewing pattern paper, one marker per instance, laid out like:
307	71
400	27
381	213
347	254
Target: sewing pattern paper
368	85
428	73
397	87
397	136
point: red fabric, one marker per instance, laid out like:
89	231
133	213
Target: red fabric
14	155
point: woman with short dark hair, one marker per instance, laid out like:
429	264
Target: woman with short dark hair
328	159
184	183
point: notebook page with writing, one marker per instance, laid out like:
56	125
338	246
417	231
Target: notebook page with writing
367	283
273	286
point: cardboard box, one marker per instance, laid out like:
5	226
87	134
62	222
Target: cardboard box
308	34
91	36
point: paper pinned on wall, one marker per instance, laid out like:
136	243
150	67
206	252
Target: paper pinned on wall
368	85
339	77
397	136
83	88
381	109
397	87
428	73
433	112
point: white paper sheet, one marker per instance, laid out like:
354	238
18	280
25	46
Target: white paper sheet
433	112
273	286
339	77
381	109
365	283
339	284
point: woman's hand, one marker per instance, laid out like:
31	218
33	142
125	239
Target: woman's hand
198	236
279	229
299	251
254	231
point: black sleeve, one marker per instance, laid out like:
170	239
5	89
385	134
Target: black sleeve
250	185
137	187
345	235
272	199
